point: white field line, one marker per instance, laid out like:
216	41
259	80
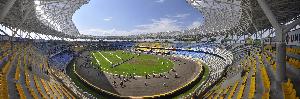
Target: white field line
116	56
122	75
105	58
119	57
96	59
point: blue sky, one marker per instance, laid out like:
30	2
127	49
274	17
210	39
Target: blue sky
128	17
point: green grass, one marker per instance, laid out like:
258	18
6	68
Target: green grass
140	65
113	58
204	77
124	55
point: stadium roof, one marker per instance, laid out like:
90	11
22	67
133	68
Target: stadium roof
239	17
242	16
48	17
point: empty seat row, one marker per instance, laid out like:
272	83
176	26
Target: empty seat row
39	88
289	91
28	81
294	62
293	50
20	91
3	87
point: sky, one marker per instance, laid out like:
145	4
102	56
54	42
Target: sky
131	17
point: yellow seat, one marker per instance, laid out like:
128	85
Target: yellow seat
289	92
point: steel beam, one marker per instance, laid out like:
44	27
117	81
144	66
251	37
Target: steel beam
291	25
26	15
280	48
3	32
30	36
38	35
6	9
279	40
48	37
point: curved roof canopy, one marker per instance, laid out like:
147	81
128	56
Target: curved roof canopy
48	17
219	15
238	17
241	17
235	17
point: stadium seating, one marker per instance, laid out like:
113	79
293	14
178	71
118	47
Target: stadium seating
31	71
4	70
30	66
289	91
28	81
60	61
3	86
39	88
238	88
20	90
265	78
248	82
294	62
293	50
215	64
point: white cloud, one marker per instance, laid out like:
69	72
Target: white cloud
194	24
160	1
157	25
108	19
181	15
160	25
104	32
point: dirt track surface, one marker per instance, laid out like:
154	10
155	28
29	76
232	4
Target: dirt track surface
186	70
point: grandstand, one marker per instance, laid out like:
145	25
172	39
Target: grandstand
244	49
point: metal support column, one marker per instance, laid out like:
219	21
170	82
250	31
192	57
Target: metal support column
244	38
280	48
231	39
261	40
280	42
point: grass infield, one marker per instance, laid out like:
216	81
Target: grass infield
125	63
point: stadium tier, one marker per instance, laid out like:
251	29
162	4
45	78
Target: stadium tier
245	49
